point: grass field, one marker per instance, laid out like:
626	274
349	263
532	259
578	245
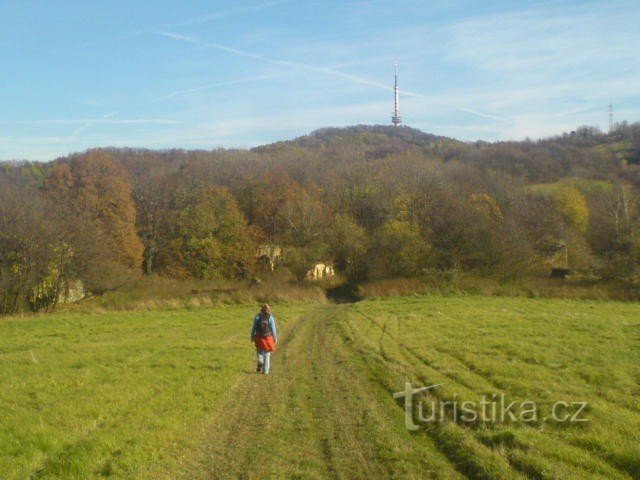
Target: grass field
173	394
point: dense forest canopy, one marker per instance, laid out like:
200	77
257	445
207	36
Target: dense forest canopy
375	201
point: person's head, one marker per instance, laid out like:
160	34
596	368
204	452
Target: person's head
265	308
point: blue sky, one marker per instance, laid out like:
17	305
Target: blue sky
206	74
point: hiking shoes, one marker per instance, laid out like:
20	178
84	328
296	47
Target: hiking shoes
260	367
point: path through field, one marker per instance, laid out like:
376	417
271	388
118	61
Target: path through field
314	416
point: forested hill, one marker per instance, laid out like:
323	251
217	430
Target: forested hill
584	152
329	151
383	136
377	201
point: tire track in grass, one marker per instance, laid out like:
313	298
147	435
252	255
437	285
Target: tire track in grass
471	455
420	457
513	453
452	377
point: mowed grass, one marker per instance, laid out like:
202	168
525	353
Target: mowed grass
115	394
172	394
536	350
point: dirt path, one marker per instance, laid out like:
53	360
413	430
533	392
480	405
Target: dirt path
314	416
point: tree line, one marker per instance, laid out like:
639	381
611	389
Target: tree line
377	202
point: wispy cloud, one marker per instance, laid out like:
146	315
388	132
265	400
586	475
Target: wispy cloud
85	124
574	45
43	147
546	68
106	120
571	40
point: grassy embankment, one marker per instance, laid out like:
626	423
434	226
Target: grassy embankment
172	394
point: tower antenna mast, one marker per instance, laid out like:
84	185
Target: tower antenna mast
610	117
396	119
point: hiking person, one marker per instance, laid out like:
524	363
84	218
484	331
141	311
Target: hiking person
265	336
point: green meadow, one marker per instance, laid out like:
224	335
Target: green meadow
172	394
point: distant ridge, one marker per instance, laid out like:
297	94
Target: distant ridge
328	135
370	142
405	133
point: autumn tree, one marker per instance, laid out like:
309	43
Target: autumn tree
95	204
32	258
262	197
303	222
152	195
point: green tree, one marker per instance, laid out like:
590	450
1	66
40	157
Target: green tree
400	250
348	246
204	233
299	260
572	205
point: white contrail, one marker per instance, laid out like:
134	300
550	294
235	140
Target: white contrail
228	83
573	112
275	61
482	114
324	70
177	36
82	128
207	18
234	11
78	131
